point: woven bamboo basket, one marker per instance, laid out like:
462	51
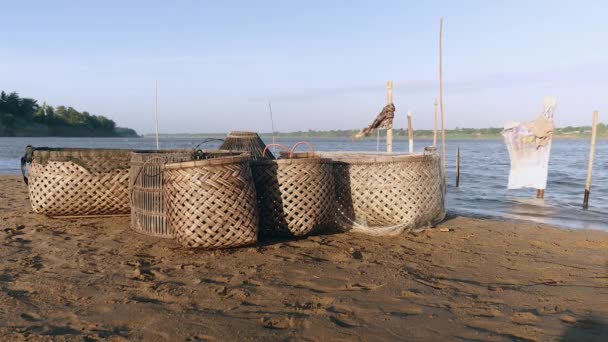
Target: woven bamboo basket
387	194
295	194
146	186
78	181
246	142
211	203
146	189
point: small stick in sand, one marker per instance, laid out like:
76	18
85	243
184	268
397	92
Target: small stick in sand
410	131
389	132
590	164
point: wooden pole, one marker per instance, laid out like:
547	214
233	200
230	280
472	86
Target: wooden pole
410	131
591	157
389	132
548	107
540	193
441	102
271	120
435	122
156	111
458	167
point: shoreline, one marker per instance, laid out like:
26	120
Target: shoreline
472	279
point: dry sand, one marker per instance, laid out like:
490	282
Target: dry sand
91	279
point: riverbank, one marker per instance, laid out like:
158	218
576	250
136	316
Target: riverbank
465	279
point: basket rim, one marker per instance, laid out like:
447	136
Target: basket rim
186	150
151	151
241	157
360	157
241	134
80	149
287	161
60	153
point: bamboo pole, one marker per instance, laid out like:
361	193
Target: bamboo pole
548	107
271	120
410	132
458	167
591	157
441	102
389	132
156	111
435	122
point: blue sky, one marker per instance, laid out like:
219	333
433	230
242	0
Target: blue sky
324	64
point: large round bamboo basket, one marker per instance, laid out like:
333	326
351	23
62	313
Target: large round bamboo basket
246	142
79	181
295	195
387	194
146	186
211	203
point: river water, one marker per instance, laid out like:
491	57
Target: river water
484	175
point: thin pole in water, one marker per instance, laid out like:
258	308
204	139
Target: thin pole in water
435	122
271	119
591	157
441	102
410	132
389	132
156	111
458	167
548	108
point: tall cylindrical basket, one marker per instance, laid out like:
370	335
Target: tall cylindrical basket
211	203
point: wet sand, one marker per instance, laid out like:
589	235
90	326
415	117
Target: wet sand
466	279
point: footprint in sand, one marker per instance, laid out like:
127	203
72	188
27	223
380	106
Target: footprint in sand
30	317
283	322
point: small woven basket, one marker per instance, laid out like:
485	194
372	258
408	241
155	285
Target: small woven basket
211	203
295	194
78	181
246	142
387	194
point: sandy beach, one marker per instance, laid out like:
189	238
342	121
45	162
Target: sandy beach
466	279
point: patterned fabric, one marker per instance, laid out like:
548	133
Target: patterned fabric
383	120
529	146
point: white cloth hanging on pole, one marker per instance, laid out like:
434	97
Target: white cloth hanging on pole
529	146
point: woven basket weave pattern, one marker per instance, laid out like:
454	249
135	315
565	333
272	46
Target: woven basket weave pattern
404	191
146	182
64	188
211	205
246	142
295	196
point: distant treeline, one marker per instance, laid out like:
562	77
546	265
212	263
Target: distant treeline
458	133
21	116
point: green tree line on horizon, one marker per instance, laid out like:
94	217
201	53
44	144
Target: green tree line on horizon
21	116
567	131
